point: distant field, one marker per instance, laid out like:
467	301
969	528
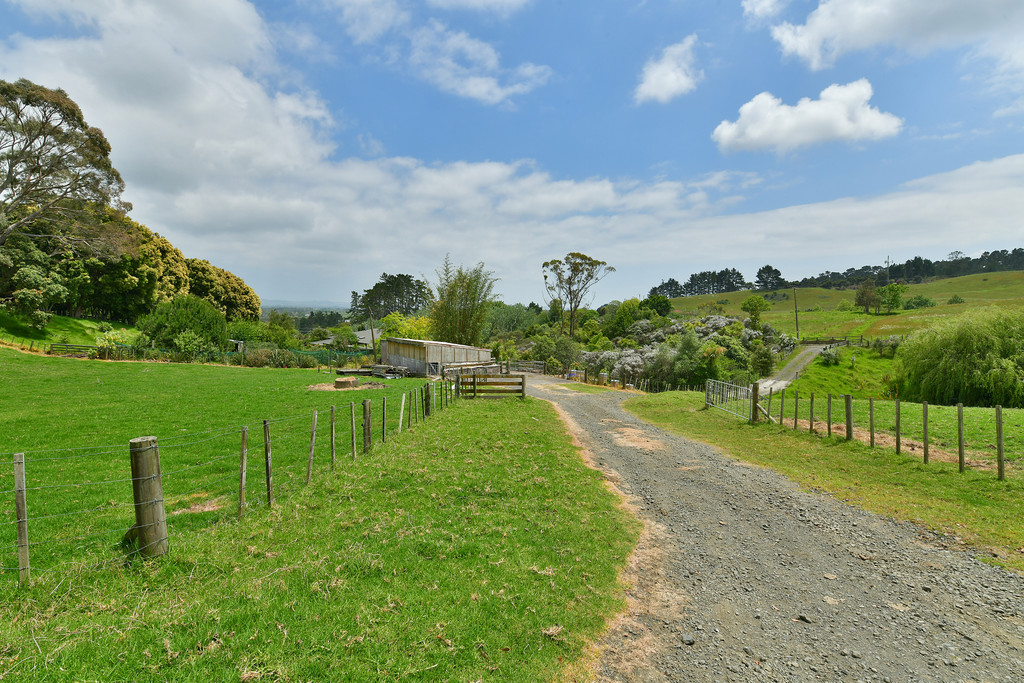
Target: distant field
993	289
59	329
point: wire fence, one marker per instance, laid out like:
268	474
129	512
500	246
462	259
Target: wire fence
78	506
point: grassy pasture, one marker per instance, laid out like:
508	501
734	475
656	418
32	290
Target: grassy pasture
475	546
59	329
973	507
987	289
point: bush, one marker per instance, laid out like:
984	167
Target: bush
976	359
919	301
829	356
886	346
105	326
956	299
845	306
183	313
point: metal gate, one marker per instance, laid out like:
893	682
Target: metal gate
731	398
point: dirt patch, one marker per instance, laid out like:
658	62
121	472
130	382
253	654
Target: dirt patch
634	438
329	386
204	506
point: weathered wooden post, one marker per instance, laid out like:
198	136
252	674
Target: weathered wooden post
1000	462
898	435
960	435
924	416
241	471
755	396
352	411
474	385
426	400
150	527
312	448
796	407
828	414
367	427
871	419
332	438
21	513
848	399
401	413
266	459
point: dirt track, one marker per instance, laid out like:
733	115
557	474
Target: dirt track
741	576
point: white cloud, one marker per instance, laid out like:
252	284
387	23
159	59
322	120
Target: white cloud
991	28
673	74
762	9
368	20
842	113
502	7
462	65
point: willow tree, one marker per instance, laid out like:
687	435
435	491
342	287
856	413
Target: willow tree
571	279
461	303
53	165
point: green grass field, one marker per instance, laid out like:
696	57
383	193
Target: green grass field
59	329
992	289
475	546
972	506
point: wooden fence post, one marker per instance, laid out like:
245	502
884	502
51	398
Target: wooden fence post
352	410
266	459
960	435
768	412
21	512
241	471
755	397
474	385
796	407
148	491
367	427
849	416
332	438
312	447
924	416
401	413
1000	462
522	387
898	435
828	417
782	404
426	400
871	419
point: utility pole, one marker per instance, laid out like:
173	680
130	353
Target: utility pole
796	314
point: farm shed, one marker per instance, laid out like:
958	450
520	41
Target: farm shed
424	357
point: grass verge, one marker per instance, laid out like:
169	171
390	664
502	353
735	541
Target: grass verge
973	507
476	546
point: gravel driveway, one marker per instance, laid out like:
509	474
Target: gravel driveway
742	576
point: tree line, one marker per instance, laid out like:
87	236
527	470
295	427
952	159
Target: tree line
67	245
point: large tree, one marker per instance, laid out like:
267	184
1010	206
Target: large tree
53	165
462	303
571	279
769	277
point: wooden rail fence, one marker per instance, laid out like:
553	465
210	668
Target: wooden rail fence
492	386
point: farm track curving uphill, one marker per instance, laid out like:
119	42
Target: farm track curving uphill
743	576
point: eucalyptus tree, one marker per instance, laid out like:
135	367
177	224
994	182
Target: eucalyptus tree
570	280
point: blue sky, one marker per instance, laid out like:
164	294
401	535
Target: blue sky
309	146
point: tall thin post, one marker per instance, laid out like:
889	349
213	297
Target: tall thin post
960	435
828	415
771	390
849	416
332	437
898	435
21	512
871	419
367	427
241	471
352	409
755	397
312	448
1000	462
148	491
384	419
924	417
266	459
796	407
427	399
782	405
401	414
474	386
